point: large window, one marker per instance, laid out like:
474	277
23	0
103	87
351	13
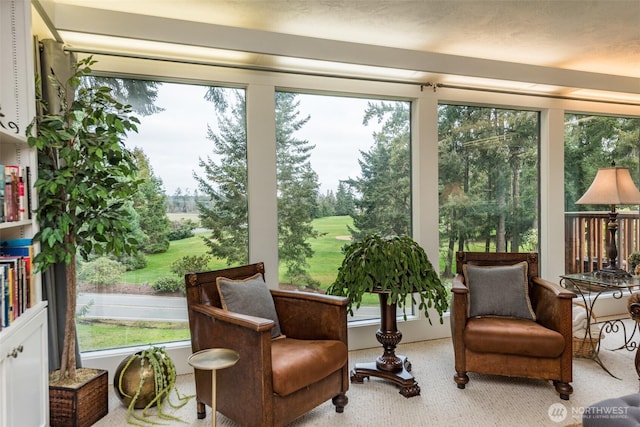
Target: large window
592	142
488	181
343	168
343	171
191	153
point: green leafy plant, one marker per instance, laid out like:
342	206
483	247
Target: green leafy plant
150	365
86	181
393	264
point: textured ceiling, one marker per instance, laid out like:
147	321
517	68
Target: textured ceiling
597	36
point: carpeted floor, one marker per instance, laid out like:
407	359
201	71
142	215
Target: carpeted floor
486	401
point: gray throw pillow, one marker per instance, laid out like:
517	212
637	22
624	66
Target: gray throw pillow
499	291
250	296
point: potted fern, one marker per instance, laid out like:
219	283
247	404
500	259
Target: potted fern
396	268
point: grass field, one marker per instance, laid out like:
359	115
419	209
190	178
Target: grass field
158	265
323	266
100	335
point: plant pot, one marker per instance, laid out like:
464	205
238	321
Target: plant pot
134	377
79	405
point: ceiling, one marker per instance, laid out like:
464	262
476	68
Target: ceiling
594	37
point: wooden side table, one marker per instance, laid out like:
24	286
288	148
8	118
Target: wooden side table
388	366
212	359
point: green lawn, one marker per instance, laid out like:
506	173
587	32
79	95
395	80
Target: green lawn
327	248
101	335
158	265
323	265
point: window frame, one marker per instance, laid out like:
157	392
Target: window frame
261	87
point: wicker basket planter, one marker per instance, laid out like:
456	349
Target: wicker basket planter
82	405
585	347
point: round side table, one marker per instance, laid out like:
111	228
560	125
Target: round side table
213	359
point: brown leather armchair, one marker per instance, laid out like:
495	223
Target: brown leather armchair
510	346
277	380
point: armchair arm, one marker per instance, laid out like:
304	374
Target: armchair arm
459	310
213	327
458	285
306	315
553	305
257	324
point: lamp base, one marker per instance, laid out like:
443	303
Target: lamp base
613	272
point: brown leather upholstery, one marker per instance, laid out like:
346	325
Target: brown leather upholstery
274	381
509	346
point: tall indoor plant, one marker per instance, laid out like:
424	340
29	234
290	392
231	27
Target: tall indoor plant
86	179
396	268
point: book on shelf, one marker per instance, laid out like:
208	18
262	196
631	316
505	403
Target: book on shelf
15	275
3	217
27	173
15	193
4	301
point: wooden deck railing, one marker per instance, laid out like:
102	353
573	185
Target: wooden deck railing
586	240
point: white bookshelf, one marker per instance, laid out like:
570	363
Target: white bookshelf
24	389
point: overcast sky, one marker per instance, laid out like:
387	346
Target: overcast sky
175	139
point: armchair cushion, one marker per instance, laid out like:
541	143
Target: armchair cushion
299	363
505	335
249	296
499	290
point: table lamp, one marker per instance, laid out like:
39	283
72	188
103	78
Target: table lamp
612	186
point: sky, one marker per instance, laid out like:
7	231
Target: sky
175	139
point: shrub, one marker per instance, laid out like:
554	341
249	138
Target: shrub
189	264
182	229
101	271
133	262
168	284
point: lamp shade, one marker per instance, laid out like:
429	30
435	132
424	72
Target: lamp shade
611	186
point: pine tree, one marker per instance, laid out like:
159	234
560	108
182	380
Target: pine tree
383	204
344	200
151	206
297	190
224	182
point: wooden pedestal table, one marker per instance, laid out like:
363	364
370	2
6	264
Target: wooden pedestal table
213	359
388	366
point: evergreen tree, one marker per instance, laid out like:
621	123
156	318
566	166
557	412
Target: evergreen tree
344	200
297	190
591	143
151	206
140	94
487	178
383	201
224	182
326	205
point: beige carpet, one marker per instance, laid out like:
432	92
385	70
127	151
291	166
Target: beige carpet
486	401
